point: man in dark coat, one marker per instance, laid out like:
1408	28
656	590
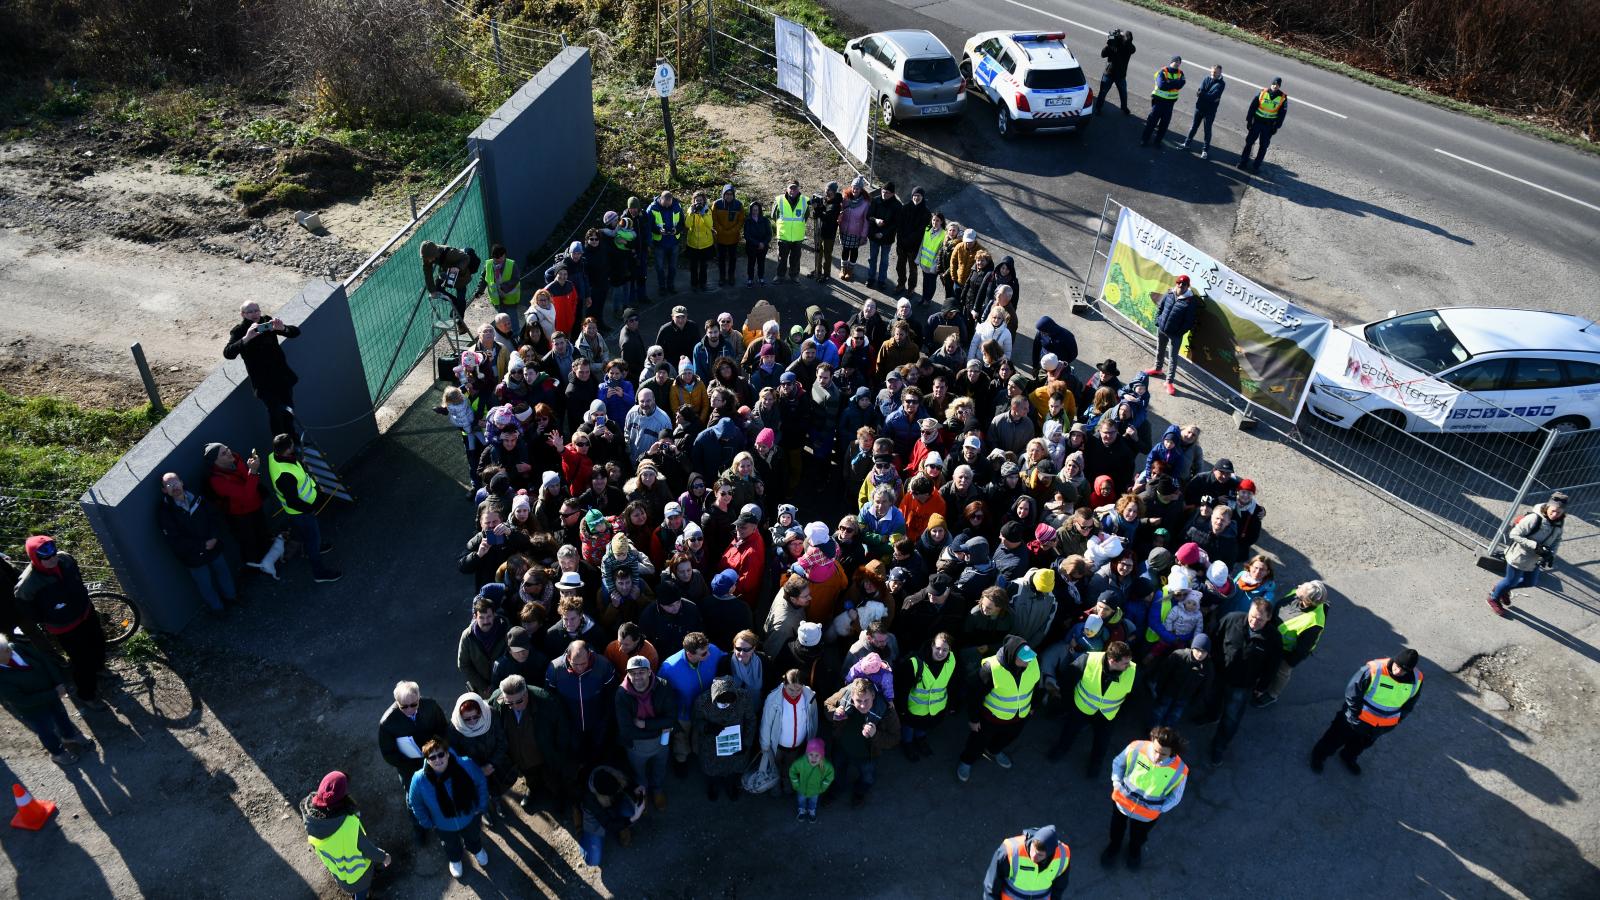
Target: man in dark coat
910	227
192	528
255	339
1176	312
1251	649
1118	50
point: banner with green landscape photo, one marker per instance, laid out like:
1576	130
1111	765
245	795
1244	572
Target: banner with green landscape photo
1257	344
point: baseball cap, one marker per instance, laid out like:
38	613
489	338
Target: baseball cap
1025	654
637	662
680	310
788	378
1225	465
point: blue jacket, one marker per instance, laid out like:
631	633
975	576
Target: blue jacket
586	697
671	219
1175	315
1210	93
715	447
900	428
690	681
425	804
1174	458
617	407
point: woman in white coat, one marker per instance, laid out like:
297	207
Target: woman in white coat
788	720
991	329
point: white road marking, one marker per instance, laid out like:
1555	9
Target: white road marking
1051	15
1525	181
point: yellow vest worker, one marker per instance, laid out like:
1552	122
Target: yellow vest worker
1262	120
336	835
1031	866
298	495
1377	698
1147	779
1169	81
1007	681
500	276
1102	682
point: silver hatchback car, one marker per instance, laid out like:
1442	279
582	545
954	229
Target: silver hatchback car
912	73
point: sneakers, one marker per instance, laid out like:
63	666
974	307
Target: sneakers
1497	608
1184	145
963	772
801	816
999	759
457	869
1153	373
79	743
750	282
811	817
1171	390
327	576
1506	600
64	758
1262	701
482	856
1205	154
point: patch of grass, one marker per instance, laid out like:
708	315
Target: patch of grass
250	191
428	150
813	16
289	195
177	113
633	140
141	648
62	99
51	451
278	132
1378	81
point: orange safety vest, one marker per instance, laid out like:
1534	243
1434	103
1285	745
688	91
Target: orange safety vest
1385	696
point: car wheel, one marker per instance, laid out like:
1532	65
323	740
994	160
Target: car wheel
1004	123
1568	424
1381	423
886	112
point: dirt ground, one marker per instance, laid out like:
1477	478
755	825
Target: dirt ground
99	249
209	748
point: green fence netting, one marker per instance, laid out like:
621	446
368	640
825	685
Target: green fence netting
393	316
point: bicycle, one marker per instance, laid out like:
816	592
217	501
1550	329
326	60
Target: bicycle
120	617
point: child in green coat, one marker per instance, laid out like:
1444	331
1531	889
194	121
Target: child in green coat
810	775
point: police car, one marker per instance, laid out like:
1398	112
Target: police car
1464	369
1034	81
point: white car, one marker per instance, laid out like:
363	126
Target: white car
1466	369
1031	77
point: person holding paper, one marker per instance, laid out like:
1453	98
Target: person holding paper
406	725
724	733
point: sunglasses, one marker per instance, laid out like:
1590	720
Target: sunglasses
742	650
847	531
580	443
435	757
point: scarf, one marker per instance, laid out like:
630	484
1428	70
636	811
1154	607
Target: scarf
453	789
484	722
646	706
746	675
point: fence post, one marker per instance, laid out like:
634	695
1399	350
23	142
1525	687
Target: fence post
711	39
148	378
494	34
1496	539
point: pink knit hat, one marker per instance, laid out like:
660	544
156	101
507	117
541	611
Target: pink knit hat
815	745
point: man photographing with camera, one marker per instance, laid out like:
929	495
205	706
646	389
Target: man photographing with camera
255	338
1530	546
1117	51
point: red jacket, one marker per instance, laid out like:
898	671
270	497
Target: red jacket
749	559
575	468
238	492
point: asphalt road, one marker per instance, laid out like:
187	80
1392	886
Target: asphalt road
1376	157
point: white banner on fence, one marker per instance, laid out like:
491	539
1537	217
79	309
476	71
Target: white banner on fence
835	93
1348	362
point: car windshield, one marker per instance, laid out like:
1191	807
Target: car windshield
1054	79
933	70
1421	339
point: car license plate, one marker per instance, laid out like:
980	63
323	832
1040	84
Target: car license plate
1058	101
935	110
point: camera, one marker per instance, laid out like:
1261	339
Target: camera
263	327
1115	36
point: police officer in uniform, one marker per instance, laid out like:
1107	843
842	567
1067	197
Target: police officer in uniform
1379	695
1034	864
1163	97
1262	120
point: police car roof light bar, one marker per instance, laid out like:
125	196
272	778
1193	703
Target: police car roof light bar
1040	36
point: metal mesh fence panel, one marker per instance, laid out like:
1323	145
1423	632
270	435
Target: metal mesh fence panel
1571	464
393	315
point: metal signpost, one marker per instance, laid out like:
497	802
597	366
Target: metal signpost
666	82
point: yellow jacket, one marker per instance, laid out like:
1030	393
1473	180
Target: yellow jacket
698	230
729	226
961	260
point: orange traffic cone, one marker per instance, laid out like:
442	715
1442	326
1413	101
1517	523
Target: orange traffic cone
31	813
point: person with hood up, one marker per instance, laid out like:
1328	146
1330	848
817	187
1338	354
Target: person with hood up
52	596
1004	274
449	794
1033	864
1053	338
647	710
1176	313
1005	682
473	735
723	732
337	836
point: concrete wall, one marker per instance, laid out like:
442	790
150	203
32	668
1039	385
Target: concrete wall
536	154
331	402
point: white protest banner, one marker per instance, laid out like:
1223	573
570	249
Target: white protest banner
1260	346
836	94
1347	361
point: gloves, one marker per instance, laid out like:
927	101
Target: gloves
1547	558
